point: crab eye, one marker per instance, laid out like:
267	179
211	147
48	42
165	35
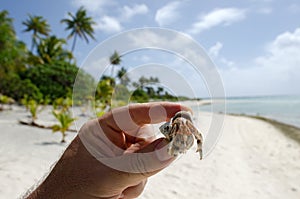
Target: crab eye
167	128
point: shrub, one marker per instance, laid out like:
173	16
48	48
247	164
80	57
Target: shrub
16	88
139	95
55	80
5	100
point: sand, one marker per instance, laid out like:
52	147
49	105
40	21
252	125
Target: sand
252	159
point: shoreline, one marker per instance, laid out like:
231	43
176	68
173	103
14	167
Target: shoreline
291	131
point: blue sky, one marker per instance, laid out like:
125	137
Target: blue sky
255	44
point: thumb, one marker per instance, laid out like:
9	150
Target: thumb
144	162
153	157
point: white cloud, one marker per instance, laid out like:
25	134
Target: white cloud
277	72
287	41
215	49
224	16
108	24
167	14
129	12
227	62
214	52
283	56
92	5
108	21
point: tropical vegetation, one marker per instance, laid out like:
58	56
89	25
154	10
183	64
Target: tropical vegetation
45	73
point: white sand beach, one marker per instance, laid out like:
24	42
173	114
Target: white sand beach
252	159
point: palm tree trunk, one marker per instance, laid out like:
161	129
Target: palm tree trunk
32	44
74	42
63	137
112	70
34	41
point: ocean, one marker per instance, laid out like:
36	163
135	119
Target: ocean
284	109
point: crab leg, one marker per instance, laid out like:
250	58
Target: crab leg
198	137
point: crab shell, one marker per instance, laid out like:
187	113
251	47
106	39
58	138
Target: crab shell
180	131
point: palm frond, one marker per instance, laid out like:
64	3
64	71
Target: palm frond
79	24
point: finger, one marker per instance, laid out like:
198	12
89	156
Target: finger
150	113
145	135
134	191
128	119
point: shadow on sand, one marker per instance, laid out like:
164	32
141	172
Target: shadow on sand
50	143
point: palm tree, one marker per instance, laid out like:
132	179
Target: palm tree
33	108
80	25
51	49
12	51
65	121
159	90
123	77
142	82
115	59
39	26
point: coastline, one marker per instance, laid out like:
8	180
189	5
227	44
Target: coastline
291	131
288	129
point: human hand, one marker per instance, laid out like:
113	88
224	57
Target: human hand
112	156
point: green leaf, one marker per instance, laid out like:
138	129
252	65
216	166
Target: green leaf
55	128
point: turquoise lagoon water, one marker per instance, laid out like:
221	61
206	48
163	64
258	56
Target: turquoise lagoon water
284	109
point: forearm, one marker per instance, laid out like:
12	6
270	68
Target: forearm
60	182
49	188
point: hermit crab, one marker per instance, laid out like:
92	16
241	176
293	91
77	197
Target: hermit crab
180	131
